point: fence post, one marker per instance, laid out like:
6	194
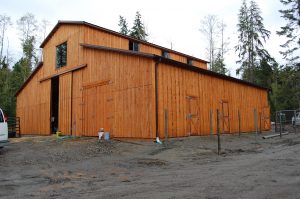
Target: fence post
294	122
255	121
260	117
280	124
166	124
276	121
239	118
210	122
218	131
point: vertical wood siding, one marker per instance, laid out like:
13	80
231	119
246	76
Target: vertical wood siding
65	97
122	106
175	85
33	107
117	92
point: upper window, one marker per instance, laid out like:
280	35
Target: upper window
189	61
166	54
134	46
61	55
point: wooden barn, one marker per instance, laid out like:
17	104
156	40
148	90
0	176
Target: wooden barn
93	78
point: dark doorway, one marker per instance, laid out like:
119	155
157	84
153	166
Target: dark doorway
54	103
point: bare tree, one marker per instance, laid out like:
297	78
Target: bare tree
224	43
44	28
210	28
27	25
5	23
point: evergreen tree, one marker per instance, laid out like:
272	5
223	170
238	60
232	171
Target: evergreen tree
286	89
138	30
123	26
291	29
5	75
252	35
219	65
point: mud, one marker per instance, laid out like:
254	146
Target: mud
248	167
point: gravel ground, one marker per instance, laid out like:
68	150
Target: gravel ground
248	167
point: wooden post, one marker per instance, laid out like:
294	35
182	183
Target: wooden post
260	123
280	125
210	122
255	120
166	124
276	121
294	121
218	132
239	117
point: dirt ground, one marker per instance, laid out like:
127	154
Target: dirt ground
248	167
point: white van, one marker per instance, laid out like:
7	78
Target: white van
3	130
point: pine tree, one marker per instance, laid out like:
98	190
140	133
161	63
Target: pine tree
291	29
138	30
219	65
252	35
123	26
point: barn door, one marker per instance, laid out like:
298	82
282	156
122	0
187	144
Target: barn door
65	103
89	110
193	120
225	117
97	109
266	118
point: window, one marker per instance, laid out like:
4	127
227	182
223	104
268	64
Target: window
166	54
134	46
189	61
61	55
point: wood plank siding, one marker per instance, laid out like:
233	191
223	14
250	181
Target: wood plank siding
104	85
33	106
176	88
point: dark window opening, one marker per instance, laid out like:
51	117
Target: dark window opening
61	55
166	54
54	103
189	61
134	46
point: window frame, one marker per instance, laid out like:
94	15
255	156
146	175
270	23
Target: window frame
189	61
134	46
165	54
59	48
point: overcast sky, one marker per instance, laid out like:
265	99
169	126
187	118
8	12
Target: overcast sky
167	22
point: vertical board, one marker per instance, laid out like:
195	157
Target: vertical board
174	84
65	103
77	103
33	106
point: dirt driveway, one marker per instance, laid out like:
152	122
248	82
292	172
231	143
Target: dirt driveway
249	167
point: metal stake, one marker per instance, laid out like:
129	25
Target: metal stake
218	132
239	117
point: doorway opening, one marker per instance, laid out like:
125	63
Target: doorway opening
54	103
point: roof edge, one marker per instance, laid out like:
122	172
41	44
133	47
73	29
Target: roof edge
39	65
208	72
175	63
60	22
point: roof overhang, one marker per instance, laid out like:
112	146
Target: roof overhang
37	68
59	23
160	59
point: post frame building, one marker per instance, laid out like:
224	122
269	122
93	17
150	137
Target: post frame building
93	78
